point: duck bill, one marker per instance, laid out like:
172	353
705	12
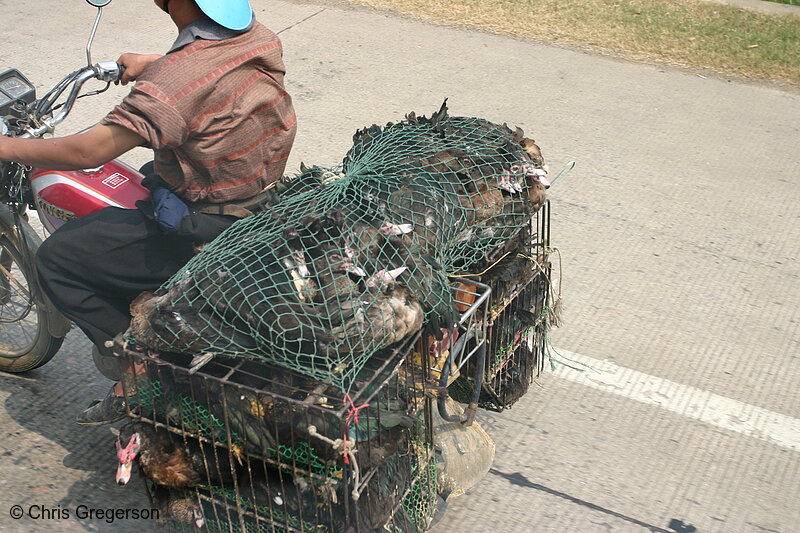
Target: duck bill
544	181
124	472
199	519
358	271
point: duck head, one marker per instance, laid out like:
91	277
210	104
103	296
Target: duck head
126	453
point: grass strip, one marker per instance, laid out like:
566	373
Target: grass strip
790	2
689	33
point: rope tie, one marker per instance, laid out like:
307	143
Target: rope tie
328	177
481	273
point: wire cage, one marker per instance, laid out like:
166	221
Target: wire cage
516	344
517	319
278	506
221	509
248	446
275	450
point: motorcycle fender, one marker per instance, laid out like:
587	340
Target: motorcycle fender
6	218
57	324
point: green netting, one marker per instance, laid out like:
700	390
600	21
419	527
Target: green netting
354	258
506	352
271	519
420	503
222	526
416	507
304	456
461	389
218	520
148	396
193	417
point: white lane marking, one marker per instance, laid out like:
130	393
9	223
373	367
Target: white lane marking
691	402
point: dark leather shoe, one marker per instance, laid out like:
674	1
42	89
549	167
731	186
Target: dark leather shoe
105	411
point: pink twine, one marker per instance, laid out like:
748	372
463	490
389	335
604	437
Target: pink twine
352	415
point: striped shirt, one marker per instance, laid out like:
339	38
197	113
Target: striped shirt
216	114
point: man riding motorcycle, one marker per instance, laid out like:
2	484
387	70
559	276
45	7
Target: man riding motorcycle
216	114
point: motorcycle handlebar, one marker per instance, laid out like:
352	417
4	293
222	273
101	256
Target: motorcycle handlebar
107	71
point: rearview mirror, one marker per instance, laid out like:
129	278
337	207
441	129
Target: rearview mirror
99	3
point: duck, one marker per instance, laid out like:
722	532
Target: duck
169	460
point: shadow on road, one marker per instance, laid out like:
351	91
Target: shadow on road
517	478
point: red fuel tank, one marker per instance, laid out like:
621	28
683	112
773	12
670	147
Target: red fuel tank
62	195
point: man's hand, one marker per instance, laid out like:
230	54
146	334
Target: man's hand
134	65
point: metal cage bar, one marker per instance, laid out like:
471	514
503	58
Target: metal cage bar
299	455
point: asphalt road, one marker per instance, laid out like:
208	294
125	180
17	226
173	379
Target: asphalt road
679	231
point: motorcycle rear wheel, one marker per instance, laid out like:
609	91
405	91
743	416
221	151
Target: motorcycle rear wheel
25	341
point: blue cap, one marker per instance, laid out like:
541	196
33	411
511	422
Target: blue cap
233	14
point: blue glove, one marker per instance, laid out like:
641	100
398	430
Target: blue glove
168	209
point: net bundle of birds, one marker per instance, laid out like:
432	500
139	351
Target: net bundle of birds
352	259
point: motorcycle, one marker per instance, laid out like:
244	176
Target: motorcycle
31	329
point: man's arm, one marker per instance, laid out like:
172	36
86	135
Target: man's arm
90	149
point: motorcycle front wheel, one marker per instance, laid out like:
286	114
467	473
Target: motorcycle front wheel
25	339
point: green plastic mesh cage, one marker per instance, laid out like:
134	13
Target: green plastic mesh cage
256	447
401	496
355	258
419	504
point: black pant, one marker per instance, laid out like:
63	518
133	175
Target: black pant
93	267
